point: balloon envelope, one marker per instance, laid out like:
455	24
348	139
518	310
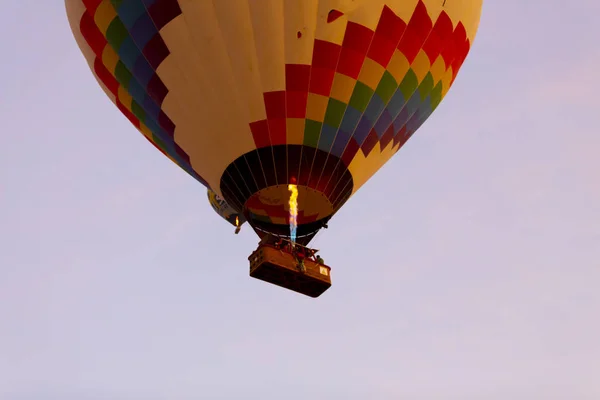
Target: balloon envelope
226	212
248	96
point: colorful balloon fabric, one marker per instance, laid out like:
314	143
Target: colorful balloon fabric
248	96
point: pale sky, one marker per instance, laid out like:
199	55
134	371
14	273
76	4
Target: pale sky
468	268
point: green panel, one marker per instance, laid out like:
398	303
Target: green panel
361	96
312	131
138	111
116	34
335	113
123	75
426	86
436	95
409	84
159	143
387	87
116	3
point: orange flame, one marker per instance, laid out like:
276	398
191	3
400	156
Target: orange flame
237	220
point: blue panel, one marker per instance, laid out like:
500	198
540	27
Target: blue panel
362	130
157	130
130	11
327	136
129	53
143	71
350	120
340	142
383	123
137	92
151	107
401	119
143	30
396	103
413	103
375	108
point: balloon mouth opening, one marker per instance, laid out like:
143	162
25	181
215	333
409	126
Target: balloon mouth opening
304	233
291	211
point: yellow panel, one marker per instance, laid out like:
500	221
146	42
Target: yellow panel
110	59
145	131
300	19
203	96
332	32
267	23
312	203
446	80
371	73
363	168
342	88
421	65
316	107
105	13
398	66
367	13
403	8
235	26
295	130
125	98
438	69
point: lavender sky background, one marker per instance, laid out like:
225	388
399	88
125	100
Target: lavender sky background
467	268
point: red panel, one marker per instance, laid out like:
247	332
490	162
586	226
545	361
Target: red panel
381	50
297	77
296	104
91	5
370	142
275	104
458	61
390	25
462	47
163	11
321	80
451	51
461	55
165	122
387	137
416	32
157	89
260	133
401	137
442	30
92	35
106	77
332	15
277	131
357	38
325	54
155	51
351	150
350	62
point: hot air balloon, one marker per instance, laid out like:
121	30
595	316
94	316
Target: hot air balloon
224	210
284	108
